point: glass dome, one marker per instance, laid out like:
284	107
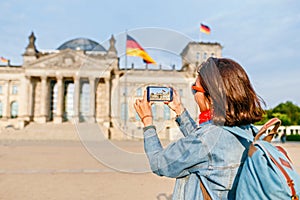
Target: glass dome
82	44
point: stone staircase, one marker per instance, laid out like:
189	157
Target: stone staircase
36	131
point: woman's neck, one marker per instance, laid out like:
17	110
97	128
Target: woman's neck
205	116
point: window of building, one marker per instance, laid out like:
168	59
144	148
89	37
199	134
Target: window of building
204	56
14	109
84	107
14	89
153	108
125	91
124	111
181	92
212	55
69	100
197	56
139	92
1	110
166	112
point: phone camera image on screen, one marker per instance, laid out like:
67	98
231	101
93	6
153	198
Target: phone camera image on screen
156	93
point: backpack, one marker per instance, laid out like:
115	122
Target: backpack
267	172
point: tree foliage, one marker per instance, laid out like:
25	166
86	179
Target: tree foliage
287	112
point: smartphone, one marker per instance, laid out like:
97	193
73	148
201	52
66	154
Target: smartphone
157	93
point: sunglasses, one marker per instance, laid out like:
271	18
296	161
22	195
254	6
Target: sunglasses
196	89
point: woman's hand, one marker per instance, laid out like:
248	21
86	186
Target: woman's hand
143	108
176	104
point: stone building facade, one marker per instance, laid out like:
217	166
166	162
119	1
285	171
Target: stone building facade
82	81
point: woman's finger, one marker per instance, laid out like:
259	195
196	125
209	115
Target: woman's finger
135	106
137	101
145	96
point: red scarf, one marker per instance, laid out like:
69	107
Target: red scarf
205	116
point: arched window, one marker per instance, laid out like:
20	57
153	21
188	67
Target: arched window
14	109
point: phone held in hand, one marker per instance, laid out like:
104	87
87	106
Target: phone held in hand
158	93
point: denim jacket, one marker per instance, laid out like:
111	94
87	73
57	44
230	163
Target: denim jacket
207	152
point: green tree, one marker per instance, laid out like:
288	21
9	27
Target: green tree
285	120
290	113
264	120
287	112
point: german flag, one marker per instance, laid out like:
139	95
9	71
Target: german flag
2	59
204	29
133	48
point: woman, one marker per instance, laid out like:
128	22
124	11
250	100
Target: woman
207	160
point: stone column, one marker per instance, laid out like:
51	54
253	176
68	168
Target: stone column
24	101
108	97
76	97
44	100
107	113
6	104
28	94
58	118
115	107
115	98
92	99
31	100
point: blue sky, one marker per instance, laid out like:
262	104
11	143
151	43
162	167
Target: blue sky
263	36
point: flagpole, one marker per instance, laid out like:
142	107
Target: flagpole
199	36
125	84
199	33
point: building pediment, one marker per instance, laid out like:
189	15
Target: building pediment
66	59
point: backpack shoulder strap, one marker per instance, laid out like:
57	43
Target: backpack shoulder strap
239	132
272	122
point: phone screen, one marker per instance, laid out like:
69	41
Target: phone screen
157	93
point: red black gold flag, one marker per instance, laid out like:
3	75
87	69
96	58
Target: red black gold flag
2	59
133	48
204	29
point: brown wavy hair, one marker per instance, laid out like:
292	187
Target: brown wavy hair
227	86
